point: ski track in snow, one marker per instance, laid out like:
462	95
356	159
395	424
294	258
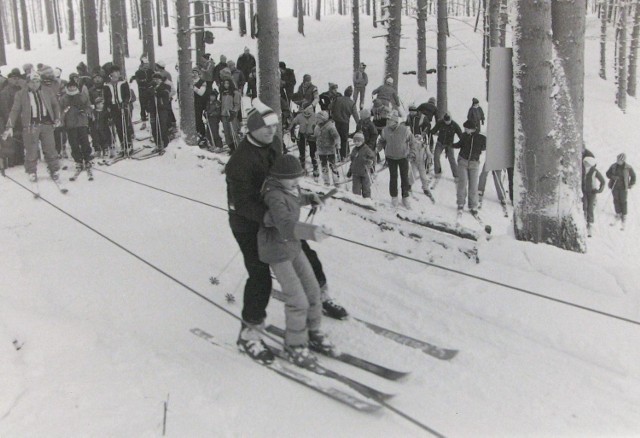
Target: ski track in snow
105	339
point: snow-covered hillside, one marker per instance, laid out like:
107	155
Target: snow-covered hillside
95	342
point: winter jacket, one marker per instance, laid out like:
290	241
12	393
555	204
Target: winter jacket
230	99
200	94
308	94
343	108
95	92
360	79
621	177
238	78
277	239
429	110
306	120
398	142
362	158
100	121
471	146
418	123
116	96
327	138
388	94
214	109
476	115
245	63
446	132
245	172
166	76
143	77
206	70
7	96
288	82
158	97
21	108
327	98
588	181
76	110
218	68
369	131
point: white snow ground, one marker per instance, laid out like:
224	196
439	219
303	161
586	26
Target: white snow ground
104	340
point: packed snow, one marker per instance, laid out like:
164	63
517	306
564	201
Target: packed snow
96	342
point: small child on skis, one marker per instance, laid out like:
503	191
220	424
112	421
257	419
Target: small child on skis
101	130
279	246
214	117
362	159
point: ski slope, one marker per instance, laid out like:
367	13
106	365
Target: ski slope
95	342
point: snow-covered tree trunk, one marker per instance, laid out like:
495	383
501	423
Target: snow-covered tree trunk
300	16
242	18
318	9
269	55
422	43
603	39
125	30
568	26
48	9
198	21
187	108
547	208
165	12
117	40
16	25
394	31
57	23
633	51
83	30
91	29
493	36
443	30
229	25
504	21
252	19
147	32
374	16
621	95
355	16
71	17
26	38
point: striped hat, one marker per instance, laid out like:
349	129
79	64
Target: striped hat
260	116
622	157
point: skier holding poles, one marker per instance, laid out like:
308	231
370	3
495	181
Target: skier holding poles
117	97
158	103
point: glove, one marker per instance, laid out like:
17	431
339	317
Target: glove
321	233
7	133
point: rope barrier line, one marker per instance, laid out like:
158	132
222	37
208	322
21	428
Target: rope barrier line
208	300
423	262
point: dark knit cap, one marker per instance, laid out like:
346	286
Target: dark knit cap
260	115
469	125
474	100
15	73
286	167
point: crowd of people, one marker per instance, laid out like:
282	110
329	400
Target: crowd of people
92	110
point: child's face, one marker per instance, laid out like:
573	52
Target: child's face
290	183
358	143
99	106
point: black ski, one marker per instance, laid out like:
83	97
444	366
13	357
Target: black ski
363	389
296	376
425	347
357	362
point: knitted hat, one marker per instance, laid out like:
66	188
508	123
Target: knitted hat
15	73
161	64
447	117
412	107
260	116
195	70
358	136
281	64
622	157
322	116
589	162
474	101
348	91
286	167
469	125
333	86
365	113
306	78
432	100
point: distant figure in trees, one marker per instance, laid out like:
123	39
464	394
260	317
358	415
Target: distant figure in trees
342	110
252	84
471	145
621	179
218	68
368	129
96	89
117	99
12	147
39	113
230	98
362	159
206	66
430	110
592	184
287	81
386	94
306	121
161	68
360	82
27	69
101	130
237	76
476	114
143	77
327	142
246	62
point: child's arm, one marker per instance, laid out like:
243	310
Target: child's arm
281	217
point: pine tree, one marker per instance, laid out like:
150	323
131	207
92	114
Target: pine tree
187	108
91	29
603	39
198	12
147	32
159	21
71	18
394	32
242	18
355	15
3	55
300	17
443	32
48	9
117	39
422	43
633	51
16	24
621	95
26	41
318	9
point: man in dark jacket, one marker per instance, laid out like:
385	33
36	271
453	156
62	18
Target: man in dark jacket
446	129
245	172
143	78
158	101
621	179
327	98
342	109
12	148
246	62
475	114
117	100
471	145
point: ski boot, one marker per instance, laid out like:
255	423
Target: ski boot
89	169
79	169
319	342
300	355
249	342
395	202
333	310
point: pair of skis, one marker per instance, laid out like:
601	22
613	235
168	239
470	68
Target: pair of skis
35	187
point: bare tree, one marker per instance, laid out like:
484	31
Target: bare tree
394	33
147	32
83	30
25	26
318	7
117	39
504	20
300	16
91	30
355	16
187	108
603	38
252	19
124	27
621	77
633	51
443	32
159	21
16	23
546	203
229	26
422	43
268	56
165	12
48	8
71	17
242	18
56	17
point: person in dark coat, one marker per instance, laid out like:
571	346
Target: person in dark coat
446	129
327	98
218	68
287	81
246	62
117	100
307	93
12	147
621	179
200	100
101	130
592	184
342	110
158	106
471	145
76	110
143	77
214	118
475	114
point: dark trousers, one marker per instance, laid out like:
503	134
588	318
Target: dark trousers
214	132
257	290
403	166
303	141
200	127
143	104
620	201
588	205
60	138
79	141
124	129
343	131
312	256
13	149
101	138
160	128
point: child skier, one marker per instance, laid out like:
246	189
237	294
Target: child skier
214	117
101	130
306	120
158	103
76	110
362	159
590	177
279	245
327	143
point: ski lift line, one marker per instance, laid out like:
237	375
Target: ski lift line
208	300
419	261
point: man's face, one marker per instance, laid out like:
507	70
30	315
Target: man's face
196	76
265	134
115	75
620	161
447	122
33	84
